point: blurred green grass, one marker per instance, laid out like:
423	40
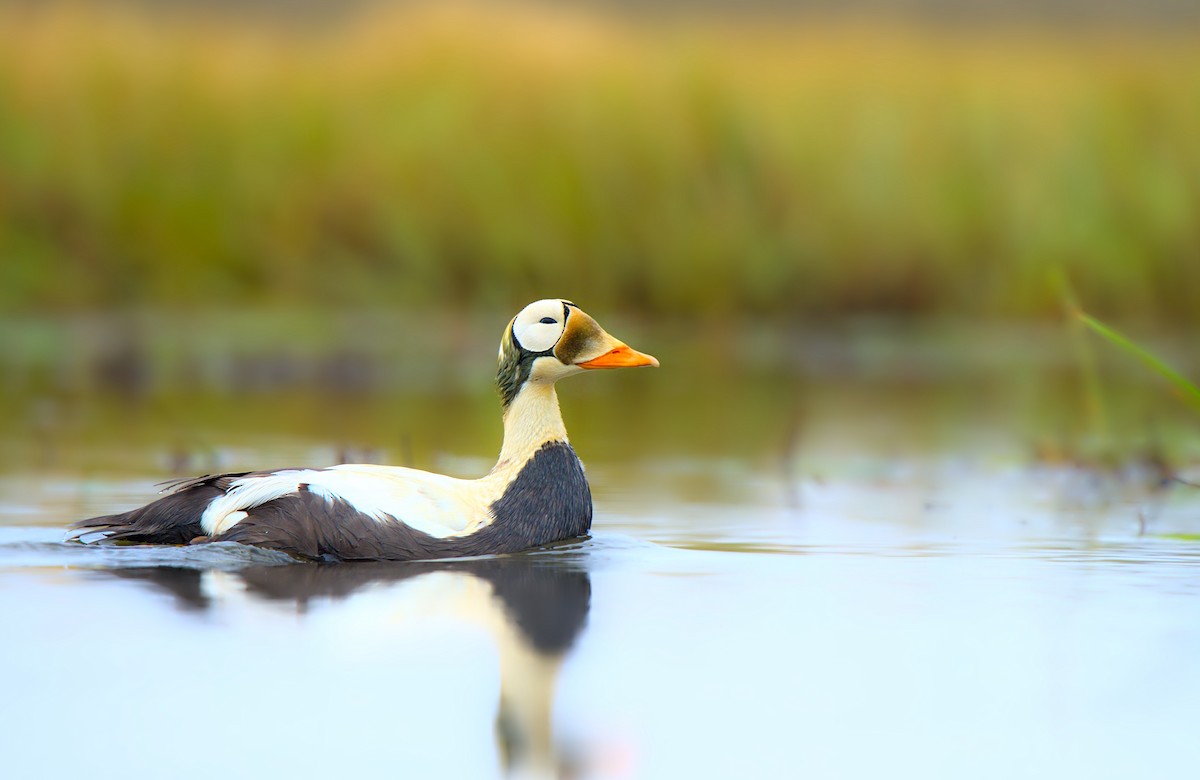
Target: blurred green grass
485	157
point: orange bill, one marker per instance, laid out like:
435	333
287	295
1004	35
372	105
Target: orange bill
620	357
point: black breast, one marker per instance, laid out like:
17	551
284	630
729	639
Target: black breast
549	500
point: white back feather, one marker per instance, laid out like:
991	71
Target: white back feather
434	504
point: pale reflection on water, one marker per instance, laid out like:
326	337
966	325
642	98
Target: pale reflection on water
180	663
531	609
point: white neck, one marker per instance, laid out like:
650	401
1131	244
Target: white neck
531	420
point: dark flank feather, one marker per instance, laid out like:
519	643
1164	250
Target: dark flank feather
549	500
172	519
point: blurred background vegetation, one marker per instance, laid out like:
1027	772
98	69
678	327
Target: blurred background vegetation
279	189
483	155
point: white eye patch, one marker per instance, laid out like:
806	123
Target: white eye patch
539	325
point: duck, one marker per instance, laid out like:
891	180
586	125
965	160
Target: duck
536	494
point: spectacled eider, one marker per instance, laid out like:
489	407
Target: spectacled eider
535	494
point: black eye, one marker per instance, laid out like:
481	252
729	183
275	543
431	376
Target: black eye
547	320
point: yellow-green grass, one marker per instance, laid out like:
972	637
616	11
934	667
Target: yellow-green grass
1187	391
482	157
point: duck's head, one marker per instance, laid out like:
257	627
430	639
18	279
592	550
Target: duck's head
554	338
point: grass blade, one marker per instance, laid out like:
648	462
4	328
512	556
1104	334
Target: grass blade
1189	391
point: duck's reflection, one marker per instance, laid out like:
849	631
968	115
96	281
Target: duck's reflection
532	606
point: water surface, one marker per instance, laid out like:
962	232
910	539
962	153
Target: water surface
836	572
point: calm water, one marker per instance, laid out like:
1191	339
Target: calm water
845	572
